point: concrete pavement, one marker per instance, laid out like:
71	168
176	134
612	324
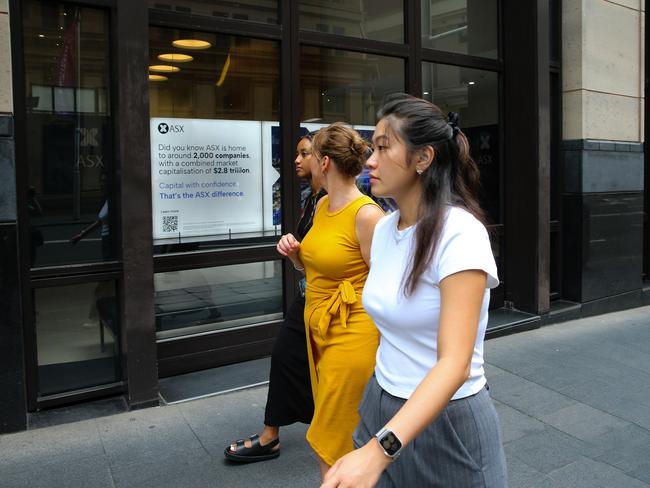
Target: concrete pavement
574	401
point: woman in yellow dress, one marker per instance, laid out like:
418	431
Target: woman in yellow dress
335	255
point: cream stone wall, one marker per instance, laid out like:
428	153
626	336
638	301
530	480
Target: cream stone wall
602	69
6	101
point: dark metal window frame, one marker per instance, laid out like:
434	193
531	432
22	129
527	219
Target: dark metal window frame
54	275
646	154
556	171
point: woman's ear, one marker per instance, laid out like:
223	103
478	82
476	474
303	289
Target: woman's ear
424	159
325	163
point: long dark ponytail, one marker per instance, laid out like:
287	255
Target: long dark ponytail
451	179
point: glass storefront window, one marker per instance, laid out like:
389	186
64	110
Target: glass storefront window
461	26
69	133
349	87
379	20
215	140
265	11
474	94
203	300
77	334
346	86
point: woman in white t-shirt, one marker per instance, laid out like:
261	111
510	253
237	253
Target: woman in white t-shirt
431	270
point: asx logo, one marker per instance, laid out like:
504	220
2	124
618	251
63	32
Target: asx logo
164	128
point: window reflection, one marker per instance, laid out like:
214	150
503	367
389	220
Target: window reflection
252	10
346	86
229	77
461	26
208	299
77	333
474	94
380	20
70	150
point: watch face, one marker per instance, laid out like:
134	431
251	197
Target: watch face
390	443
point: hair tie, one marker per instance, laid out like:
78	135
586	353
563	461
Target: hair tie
452	122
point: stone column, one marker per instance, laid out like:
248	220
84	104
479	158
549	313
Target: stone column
603	74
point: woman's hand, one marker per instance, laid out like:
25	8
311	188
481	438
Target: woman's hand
288	246
359	469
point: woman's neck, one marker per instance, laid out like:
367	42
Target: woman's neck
341	191
409	207
315	187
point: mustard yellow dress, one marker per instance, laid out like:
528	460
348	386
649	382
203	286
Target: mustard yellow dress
342	339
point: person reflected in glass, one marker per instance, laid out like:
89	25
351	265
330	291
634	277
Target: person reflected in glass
102	222
35	210
289	397
428	291
335	254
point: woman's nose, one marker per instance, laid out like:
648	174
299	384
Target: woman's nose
371	162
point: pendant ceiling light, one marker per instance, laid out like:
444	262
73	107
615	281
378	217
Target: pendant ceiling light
176	58
191	44
157	78
164	68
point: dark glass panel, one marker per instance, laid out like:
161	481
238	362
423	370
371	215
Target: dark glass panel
474	94
77	333
69	133
461	26
346	86
379	20
265	11
207	299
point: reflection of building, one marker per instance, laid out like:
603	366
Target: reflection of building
556	131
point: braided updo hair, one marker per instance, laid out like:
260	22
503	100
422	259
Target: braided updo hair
343	145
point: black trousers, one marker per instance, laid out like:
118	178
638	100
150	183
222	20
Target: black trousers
289	398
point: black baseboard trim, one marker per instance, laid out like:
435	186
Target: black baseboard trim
616	303
512	328
563	311
146	404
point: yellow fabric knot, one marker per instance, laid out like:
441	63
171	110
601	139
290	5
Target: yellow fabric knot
338	303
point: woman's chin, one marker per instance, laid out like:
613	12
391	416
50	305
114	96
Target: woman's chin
377	191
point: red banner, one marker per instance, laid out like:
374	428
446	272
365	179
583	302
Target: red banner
67	69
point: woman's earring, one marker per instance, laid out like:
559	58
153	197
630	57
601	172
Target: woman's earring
419	171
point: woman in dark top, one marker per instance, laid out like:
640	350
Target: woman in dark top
289	398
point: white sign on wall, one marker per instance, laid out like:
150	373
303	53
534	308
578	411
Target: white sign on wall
210	177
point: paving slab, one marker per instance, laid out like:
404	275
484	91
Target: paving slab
514	424
91	471
587	473
583	422
70	443
144	435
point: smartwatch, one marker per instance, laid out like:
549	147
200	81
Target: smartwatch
389	442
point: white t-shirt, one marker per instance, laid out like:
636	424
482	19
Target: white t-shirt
409	325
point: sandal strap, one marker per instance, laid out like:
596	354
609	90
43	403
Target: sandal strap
255	441
256	448
272	444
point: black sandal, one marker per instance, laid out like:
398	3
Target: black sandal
253	454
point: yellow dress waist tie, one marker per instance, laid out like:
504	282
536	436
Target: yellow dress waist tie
338	304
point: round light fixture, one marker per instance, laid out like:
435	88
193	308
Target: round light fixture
191	44
164	68
176	58
157	78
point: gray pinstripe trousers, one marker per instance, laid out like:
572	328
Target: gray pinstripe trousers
461	449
